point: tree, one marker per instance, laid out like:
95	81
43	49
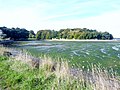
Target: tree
54	34
31	34
48	36
76	33
15	33
2	36
106	35
38	35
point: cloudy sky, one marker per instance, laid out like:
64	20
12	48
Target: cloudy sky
102	15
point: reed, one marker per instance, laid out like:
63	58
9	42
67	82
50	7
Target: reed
18	73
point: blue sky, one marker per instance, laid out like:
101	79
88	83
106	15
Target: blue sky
102	15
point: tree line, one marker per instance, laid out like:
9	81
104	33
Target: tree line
14	33
75	33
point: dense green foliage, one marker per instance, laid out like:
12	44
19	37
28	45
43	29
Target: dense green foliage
15	33
46	34
15	75
2	36
31	34
76	33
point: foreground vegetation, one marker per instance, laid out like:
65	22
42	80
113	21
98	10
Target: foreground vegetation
16	73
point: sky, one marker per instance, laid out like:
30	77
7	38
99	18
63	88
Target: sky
101	15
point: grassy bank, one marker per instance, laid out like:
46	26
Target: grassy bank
16	73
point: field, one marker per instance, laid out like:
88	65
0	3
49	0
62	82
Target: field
78	53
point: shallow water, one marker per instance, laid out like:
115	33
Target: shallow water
77	52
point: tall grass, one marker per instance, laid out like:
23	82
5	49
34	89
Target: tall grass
19	73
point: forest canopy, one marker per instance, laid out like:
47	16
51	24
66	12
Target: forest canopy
75	33
15	33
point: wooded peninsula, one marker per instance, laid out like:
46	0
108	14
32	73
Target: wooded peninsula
75	33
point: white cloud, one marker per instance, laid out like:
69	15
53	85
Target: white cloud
28	19
47	15
106	22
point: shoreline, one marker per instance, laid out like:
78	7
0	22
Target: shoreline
83	40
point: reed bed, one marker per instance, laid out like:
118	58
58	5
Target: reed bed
25	72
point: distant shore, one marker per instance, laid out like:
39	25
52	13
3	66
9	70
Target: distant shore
85	40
